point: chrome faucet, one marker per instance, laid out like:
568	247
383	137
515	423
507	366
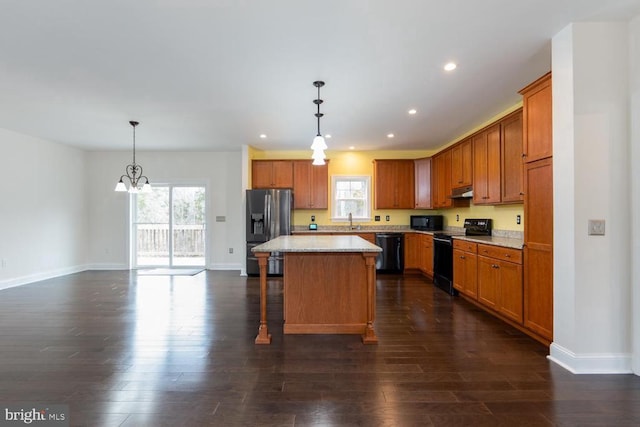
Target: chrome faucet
350	221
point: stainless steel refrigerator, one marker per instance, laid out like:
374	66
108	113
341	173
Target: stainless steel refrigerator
268	216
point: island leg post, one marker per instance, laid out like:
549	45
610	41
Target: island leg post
264	337
369	336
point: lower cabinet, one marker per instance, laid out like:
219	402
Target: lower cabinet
465	268
500	280
412	251
492	277
426	254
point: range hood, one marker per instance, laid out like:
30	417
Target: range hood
462	193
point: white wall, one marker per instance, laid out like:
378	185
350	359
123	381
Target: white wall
108	211
592	277
43	209
634	160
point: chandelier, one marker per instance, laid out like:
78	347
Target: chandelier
319	145
134	172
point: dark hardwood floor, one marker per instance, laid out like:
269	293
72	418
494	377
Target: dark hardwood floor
123	350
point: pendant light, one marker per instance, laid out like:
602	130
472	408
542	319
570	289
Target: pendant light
319	145
134	172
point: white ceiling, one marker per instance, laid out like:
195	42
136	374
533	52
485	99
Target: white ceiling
215	74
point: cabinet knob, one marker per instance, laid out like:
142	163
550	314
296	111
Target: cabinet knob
521	193
485	197
507	255
462	257
524	155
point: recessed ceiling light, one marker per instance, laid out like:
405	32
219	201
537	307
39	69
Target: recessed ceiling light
412	111
263	136
352	148
450	66
328	136
390	135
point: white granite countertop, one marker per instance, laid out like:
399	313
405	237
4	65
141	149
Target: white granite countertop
505	242
306	243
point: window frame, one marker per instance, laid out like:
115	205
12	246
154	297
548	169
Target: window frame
367	181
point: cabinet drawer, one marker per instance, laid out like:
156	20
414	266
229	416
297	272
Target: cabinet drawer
465	246
499	252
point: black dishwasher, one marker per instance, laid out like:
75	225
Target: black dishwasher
391	259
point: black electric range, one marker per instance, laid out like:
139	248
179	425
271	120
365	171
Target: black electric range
443	251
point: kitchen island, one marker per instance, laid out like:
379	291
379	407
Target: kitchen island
329	285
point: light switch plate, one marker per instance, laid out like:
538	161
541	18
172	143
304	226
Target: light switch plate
596	227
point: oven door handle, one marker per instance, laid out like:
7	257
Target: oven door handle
445	241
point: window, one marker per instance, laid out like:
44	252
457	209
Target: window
350	195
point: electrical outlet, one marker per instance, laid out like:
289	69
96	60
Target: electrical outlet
457	218
518	219
388	217
596	227
313	218
377	218
230	250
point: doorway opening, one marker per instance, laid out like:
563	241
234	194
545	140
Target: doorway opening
168	227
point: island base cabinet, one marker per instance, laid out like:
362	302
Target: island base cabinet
328	293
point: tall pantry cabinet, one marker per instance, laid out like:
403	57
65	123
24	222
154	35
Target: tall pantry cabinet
538	207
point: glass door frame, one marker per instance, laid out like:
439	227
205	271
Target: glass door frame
133	206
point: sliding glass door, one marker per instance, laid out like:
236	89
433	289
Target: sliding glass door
168	227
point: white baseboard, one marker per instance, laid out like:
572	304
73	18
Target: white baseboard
224	267
36	277
108	267
591	363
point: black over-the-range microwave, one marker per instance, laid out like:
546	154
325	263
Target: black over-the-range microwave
426	222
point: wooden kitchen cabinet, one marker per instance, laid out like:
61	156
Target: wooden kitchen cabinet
310	185
538	251
511	159
412	251
486	166
462	164
423	183
465	268
394	184
500	281
441	187
537	140
426	254
271	174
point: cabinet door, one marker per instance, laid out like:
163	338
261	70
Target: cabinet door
512	171
486	166
405	181
423	183
510	288
394	184
310	185
412	251
282	174
442	180
465	273
488	281
458	269
427	254
538	251
461	164
261	174
272	174
538	130
384	184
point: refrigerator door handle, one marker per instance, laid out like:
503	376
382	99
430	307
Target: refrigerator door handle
267	216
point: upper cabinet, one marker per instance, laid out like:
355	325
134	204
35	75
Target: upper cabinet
310	185
441	186
423	183
486	166
393	184
462	164
272	174
536	100
497	162
512	170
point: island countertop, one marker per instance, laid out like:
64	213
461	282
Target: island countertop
306	243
